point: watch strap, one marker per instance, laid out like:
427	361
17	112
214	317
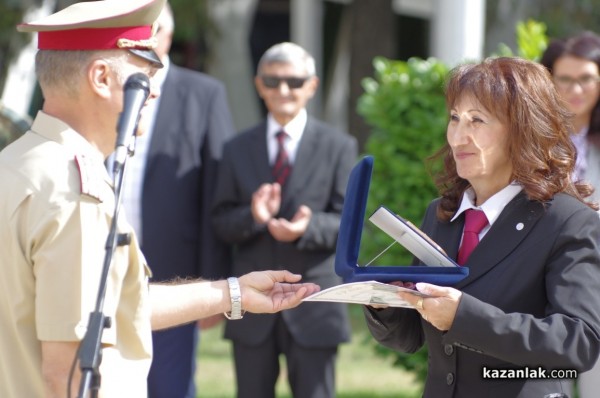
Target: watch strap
235	293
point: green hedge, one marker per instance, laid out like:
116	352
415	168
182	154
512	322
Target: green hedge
404	103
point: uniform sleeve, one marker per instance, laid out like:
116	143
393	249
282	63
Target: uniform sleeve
67	253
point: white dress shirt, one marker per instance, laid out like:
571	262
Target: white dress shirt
293	129
491	207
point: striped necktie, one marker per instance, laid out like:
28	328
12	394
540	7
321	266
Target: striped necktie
282	167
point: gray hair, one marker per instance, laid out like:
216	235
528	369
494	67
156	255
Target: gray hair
289	53
65	69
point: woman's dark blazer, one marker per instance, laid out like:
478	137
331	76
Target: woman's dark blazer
532	299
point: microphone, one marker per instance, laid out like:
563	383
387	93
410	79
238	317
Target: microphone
135	93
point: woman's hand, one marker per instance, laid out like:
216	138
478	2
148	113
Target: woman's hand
440	309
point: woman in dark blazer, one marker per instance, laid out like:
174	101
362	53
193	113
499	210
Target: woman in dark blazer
531	304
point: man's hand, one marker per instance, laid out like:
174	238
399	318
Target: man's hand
288	231
273	291
266	202
438	310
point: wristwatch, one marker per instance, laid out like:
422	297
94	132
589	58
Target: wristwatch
236	299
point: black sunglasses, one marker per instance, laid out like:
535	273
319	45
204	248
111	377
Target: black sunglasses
292	82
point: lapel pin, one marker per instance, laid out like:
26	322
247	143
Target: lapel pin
519	226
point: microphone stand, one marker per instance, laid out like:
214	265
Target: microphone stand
90	349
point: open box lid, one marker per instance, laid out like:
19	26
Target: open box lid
349	238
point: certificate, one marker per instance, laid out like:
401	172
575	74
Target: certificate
367	293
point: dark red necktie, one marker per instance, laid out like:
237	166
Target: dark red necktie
282	167
475	221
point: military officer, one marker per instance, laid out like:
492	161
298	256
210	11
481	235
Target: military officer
56	208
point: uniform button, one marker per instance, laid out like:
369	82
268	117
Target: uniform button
449	349
450	378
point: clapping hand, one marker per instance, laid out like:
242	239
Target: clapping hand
266	202
288	231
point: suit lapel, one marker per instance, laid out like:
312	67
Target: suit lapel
259	154
512	226
306	162
450	234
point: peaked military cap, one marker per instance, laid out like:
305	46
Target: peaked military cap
101	25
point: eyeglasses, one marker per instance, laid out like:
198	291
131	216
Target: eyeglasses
292	82
586	82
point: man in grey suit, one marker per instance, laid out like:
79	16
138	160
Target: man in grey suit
278	203
167	199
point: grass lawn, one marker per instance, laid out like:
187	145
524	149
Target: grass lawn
360	373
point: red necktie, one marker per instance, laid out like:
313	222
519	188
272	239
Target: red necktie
282	167
475	221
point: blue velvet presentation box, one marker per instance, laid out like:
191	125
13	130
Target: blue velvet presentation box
348	243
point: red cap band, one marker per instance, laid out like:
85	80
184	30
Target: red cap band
91	38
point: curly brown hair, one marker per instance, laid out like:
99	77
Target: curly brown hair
521	95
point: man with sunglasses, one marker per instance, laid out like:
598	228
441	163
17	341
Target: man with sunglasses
279	196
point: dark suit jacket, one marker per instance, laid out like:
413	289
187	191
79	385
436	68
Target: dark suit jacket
318	180
532	299
192	124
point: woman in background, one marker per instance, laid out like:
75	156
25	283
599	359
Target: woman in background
575	67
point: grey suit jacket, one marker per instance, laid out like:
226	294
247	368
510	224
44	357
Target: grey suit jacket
192	124
318	180
532	299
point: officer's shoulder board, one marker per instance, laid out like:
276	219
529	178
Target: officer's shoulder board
91	180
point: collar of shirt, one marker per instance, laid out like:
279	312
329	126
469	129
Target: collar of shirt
294	129
94	179
56	130
492	207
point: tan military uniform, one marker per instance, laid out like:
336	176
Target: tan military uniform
56	208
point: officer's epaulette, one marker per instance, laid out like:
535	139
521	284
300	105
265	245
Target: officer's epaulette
90	179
